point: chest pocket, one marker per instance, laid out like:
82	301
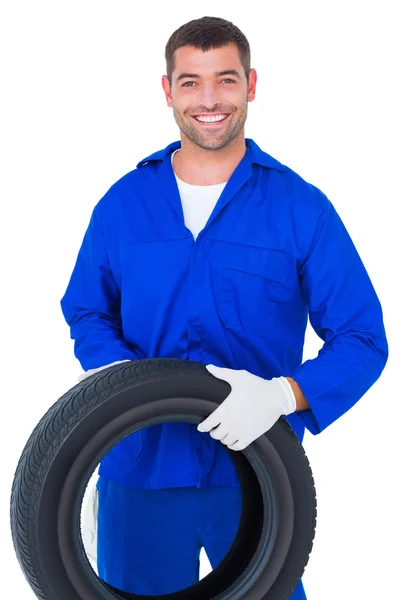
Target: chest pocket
251	285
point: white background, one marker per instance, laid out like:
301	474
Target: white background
82	103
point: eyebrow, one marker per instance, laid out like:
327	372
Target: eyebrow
218	74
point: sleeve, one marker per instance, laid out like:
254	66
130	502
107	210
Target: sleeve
91	305
346	314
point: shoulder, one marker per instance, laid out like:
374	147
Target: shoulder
288	186
127	190
125	185
300	193
136	182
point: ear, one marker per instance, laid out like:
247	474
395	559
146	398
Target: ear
251	90
167	90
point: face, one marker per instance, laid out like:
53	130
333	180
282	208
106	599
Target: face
199	89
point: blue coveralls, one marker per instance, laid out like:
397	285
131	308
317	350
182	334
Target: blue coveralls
273	253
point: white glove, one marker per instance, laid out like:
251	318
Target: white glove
91	371
251	409
89	525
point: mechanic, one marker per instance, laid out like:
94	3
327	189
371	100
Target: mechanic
211	250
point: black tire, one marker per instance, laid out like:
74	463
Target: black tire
271	548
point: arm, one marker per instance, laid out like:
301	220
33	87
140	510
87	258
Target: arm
301	401
346	314
91	305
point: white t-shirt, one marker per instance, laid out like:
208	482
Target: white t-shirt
198	201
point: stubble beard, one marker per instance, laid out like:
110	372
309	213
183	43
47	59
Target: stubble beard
209	141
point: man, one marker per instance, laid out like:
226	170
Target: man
213	251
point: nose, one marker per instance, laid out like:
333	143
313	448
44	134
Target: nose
209	95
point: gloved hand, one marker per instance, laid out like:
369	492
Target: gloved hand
251	409
89	525
91	371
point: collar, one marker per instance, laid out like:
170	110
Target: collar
256	155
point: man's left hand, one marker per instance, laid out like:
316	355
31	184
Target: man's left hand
251	409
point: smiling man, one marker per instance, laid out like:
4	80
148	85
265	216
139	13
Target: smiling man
209	101
212	250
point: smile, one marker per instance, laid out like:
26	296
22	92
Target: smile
211	121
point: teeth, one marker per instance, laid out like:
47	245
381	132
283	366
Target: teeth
211	119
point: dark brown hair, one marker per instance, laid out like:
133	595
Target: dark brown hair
207	33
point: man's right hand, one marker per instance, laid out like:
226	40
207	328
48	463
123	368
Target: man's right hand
91	371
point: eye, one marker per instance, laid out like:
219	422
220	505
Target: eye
186	83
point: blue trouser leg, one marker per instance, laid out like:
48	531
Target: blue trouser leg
149	541
299	593
221	508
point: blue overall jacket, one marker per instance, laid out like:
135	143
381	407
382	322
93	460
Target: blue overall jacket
273	254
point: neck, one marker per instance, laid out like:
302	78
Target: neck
199	166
